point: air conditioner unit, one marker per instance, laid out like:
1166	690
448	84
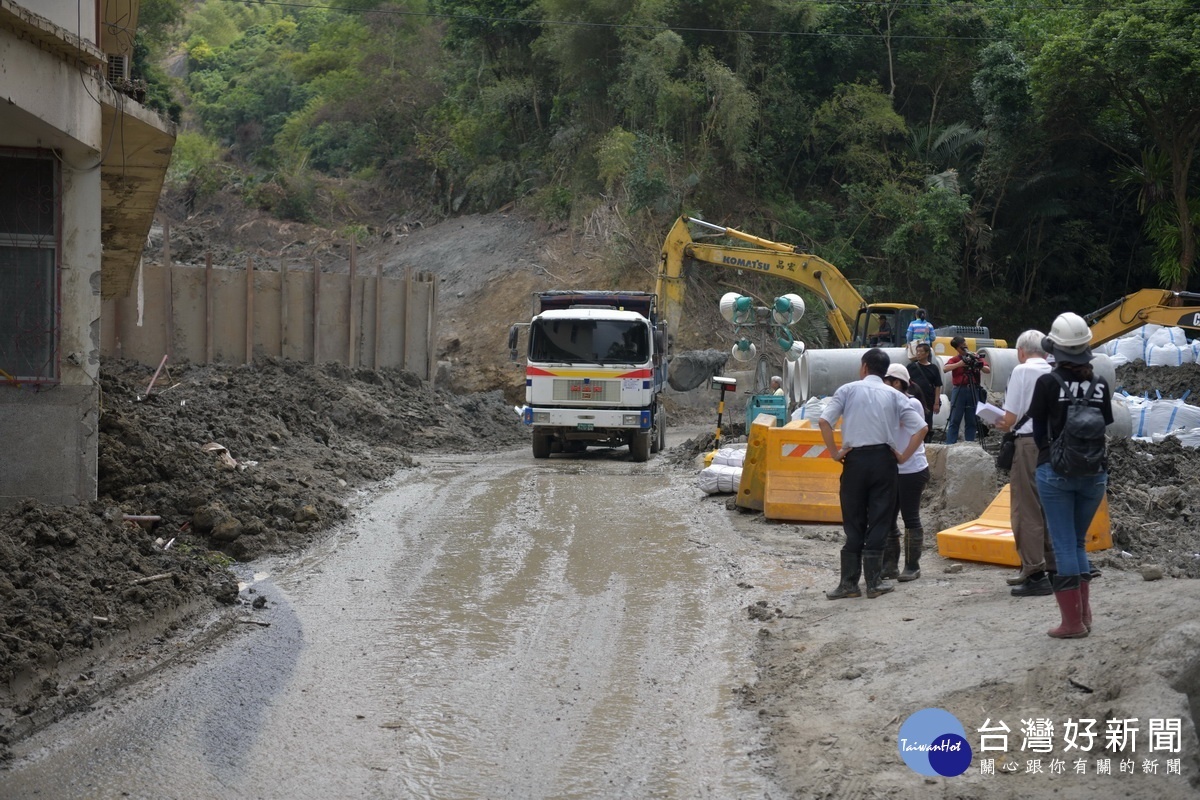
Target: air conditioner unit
118	67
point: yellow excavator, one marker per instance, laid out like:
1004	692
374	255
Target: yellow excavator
853	321
1144	306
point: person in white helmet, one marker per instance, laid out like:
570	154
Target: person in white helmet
1069	501
910	488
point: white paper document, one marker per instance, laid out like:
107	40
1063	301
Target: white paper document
989	413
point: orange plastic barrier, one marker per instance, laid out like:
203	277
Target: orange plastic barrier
802	479
990	538
754	476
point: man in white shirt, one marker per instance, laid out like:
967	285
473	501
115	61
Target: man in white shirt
872	414
1025	509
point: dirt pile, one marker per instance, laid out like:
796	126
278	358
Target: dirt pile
295	441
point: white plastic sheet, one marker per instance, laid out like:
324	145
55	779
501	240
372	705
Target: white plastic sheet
731	456
719	479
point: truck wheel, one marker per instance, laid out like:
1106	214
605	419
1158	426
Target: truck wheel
541	444
639	446
661	432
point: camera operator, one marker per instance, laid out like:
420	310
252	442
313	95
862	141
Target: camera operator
965	368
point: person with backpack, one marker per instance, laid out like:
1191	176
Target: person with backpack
1070	408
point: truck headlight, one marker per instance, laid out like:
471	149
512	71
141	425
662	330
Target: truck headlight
631	419
541	416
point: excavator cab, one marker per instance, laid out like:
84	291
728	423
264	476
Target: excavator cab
882	325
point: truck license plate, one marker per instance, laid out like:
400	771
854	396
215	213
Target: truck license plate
585	426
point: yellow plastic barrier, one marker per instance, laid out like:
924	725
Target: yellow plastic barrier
753	480
990	538
802	479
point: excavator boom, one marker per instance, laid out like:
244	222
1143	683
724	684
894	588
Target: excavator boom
842	301
1181	309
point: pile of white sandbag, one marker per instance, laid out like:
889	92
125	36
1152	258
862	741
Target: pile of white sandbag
1156	345
724	474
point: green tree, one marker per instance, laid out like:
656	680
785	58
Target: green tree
1129	76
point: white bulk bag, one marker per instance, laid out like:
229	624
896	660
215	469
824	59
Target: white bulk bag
1131	347
1168	355
1174	336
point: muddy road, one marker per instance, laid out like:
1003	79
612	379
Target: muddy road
487	627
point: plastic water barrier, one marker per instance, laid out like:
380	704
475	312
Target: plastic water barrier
990	538
789	474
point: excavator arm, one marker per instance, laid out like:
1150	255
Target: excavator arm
1145	306
842	301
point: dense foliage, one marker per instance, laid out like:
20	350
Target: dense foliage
980	158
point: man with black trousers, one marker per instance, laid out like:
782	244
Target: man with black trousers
873	415
927	374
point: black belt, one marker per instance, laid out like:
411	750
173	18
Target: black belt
1024	435
871	447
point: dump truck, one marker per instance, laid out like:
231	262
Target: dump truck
596	366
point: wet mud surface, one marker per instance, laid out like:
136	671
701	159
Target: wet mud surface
300	444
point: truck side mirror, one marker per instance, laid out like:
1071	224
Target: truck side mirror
512	343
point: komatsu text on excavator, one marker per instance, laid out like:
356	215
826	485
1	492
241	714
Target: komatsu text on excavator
853	321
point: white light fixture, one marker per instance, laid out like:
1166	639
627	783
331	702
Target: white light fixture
787	309
744	350
737	308
795	351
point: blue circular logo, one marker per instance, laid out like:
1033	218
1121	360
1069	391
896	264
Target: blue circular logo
933	742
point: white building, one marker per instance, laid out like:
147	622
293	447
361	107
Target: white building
81	169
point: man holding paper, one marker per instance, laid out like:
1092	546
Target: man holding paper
1025	507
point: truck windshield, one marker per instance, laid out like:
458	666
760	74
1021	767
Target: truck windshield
589	341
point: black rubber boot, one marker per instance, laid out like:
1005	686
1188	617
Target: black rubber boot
891	555
848	585
914	540
873	569
1037	585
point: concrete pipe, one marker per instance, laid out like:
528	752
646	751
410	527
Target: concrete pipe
823	371
1004	361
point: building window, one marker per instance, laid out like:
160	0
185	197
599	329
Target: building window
29	253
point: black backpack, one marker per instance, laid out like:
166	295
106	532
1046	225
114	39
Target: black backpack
1079	450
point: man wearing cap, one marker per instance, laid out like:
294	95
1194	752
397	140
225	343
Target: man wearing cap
1069	501
873	415
1025	509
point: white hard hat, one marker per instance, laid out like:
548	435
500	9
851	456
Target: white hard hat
1069	339
1070	331
899	373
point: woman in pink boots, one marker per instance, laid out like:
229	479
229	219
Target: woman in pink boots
1070	409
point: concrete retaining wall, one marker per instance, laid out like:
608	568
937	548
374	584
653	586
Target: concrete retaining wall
216	314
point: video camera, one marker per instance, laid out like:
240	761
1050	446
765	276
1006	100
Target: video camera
971	359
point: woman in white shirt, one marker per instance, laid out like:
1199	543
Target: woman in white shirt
914	476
